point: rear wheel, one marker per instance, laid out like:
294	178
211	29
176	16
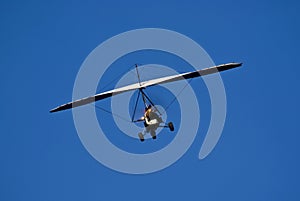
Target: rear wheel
153	134
141	136
171	126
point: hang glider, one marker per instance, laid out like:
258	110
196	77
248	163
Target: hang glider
144	84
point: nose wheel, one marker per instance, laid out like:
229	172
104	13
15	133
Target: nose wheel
171	126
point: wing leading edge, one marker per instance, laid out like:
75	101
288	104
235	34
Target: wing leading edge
172	78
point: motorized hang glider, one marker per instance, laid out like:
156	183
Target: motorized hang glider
151	118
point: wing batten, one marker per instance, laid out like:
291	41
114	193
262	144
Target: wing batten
145	84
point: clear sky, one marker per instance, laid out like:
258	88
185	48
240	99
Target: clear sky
42	46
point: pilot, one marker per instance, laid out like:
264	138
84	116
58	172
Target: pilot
148	111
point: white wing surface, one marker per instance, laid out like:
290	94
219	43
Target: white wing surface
145	84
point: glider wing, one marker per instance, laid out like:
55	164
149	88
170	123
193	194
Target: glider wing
145	84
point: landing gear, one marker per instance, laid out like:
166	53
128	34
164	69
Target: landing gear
171	126
141	136
153	134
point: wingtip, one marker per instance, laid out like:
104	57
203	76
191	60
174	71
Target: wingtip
51	111
237	64
55	110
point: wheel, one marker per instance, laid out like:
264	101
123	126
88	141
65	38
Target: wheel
153	134
141	136
171	126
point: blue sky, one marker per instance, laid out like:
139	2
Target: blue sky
43	45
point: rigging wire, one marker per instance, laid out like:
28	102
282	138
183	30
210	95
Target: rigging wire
177	95
115	78
110	112
105	86
136	103
125	119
